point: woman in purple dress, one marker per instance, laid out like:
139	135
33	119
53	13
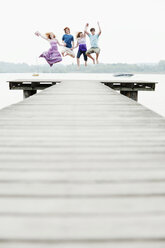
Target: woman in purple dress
52	56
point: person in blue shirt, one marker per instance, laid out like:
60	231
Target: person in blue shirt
68	41
94	38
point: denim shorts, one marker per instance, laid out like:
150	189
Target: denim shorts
84	54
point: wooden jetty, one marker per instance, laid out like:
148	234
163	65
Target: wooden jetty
128	88
81	166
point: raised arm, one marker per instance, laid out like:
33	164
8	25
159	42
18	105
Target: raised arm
86	29
99	28
42	36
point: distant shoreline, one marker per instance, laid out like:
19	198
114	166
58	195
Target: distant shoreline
136	73
153	68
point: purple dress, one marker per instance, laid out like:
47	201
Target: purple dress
52	56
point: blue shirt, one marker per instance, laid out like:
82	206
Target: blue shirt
94	40
68	38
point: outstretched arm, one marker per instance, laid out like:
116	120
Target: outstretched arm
76	46
99	28
63	42
42	36
60	43
72	45
86	29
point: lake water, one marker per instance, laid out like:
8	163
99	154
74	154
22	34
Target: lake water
154	100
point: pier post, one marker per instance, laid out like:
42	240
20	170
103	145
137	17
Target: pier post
28	93
131	94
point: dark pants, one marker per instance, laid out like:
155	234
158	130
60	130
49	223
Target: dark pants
84	54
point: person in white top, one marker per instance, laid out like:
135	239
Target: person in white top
81	43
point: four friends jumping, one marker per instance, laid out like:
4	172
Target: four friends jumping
53	56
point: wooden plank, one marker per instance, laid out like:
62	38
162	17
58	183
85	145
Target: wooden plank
34	80
84	229
119	206
75	190
123	244
30	85
103	81
92	177
81	166
126	81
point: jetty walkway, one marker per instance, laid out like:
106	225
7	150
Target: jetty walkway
81	166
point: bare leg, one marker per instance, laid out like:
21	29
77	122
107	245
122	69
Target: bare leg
63	54
78	62
90	56
71	55
85	63
97	58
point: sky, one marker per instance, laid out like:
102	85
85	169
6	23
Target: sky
132	30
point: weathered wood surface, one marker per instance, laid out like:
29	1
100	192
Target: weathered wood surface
51	80
126	87
120	84
81	166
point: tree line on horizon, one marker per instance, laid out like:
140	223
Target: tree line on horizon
6	67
